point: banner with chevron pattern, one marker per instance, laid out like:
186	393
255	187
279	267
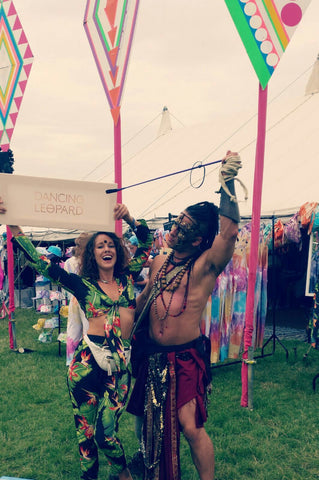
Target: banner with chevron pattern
15	65
109	25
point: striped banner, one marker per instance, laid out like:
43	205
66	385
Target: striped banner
266	28
109	25
15	65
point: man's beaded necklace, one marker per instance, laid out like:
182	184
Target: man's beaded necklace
161	285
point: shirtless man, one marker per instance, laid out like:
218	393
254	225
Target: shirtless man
174	375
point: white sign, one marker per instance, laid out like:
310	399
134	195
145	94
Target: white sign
52	202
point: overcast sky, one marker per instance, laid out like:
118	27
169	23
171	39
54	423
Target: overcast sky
186	55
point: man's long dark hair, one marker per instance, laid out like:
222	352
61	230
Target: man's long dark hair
205	215
89	267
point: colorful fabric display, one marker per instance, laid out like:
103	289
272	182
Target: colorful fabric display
41	280
40	324
62	337
223	320
45	337
44	308
279	234
315	217
41	294
52	322
292	230
56	295
306	215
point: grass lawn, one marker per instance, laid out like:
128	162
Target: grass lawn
277	440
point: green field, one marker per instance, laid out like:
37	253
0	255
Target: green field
277	440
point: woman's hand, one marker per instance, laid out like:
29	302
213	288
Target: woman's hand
121	212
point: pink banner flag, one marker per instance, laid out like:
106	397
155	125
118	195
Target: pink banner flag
110	25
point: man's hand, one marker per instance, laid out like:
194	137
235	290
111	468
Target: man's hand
231	163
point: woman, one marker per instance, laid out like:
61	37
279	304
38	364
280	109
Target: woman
99	378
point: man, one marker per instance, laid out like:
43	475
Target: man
173	376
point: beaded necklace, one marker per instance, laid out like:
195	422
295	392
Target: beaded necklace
161	285
174	283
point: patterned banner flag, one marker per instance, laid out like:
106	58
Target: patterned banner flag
109	25
15	64
266	27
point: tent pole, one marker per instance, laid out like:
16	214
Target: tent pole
118	168
11	325
254	239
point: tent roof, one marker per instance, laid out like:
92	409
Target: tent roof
290	169
47	236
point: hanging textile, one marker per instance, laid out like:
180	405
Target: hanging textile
224	317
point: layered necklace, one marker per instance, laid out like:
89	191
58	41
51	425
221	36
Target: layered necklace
161	284
113	287
106	281
161	276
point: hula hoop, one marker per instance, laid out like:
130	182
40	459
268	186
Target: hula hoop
197	164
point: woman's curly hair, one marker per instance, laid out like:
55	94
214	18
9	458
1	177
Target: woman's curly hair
89	268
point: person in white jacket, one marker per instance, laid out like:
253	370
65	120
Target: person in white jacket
78	324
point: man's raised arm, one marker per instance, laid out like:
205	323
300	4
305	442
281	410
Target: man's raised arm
223	247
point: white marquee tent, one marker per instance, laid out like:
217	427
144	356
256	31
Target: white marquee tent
291	167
